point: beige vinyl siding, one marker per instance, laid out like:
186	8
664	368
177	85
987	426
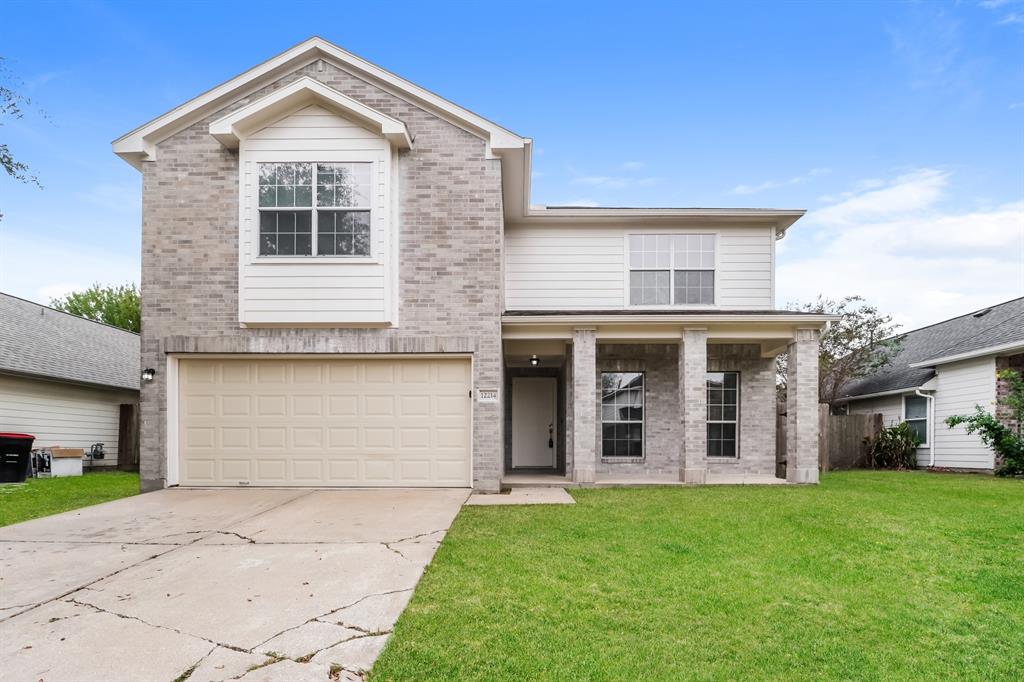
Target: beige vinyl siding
63	414
314	290
559	268
959	387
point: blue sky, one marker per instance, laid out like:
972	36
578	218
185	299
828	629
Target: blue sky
899	126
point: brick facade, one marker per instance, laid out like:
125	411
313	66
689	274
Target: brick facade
1016	363
450	212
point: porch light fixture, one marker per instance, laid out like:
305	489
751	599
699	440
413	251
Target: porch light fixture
148	374
534	360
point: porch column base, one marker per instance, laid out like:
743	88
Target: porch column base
698	476
583	476
802	475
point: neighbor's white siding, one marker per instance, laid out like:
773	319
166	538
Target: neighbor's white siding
889	406
891	409
63	414
315	290
959	387
559	268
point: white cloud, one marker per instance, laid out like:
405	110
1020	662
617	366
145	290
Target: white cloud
39	269
612	182
775	184
898	247
873	199
633	166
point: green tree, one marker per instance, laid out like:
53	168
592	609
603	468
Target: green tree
12	106
860	343
1007	441
118	306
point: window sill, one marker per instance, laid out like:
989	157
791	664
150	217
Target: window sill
622	460
317	260
722	458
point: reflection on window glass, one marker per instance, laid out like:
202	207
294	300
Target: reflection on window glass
723	390
622	414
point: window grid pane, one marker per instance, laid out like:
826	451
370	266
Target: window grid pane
343	233
286	233
287	186
622	414
723	398
668	269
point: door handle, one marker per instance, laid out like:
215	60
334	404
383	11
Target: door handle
551	435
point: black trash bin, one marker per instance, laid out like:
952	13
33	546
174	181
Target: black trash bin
15	452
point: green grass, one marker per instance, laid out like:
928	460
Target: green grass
45	496
871	575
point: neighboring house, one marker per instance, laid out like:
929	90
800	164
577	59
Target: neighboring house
942	370
63	378
344	284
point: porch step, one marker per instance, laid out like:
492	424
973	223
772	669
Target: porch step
536	481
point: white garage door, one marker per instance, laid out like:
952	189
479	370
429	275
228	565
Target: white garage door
335	422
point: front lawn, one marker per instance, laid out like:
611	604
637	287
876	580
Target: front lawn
45	496
871	575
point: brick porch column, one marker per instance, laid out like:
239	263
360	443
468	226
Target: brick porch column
584	405
693	403
802	408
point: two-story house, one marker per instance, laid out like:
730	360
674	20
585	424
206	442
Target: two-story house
344	284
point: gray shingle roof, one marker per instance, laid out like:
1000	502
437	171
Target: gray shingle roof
41	341
995	326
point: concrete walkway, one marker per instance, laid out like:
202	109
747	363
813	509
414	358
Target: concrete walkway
256	585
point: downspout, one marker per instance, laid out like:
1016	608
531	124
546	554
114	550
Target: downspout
931	425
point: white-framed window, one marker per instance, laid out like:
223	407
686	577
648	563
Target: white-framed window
314	209
671	269
915	413
723	414
622	414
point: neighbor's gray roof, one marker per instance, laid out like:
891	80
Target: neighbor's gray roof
40	341
995	326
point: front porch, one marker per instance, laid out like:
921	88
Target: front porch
539	480
656	399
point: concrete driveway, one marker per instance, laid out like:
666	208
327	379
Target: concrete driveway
218	582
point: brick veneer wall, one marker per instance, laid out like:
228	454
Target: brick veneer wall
1016	363
663	445
449	263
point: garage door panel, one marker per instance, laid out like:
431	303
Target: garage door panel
344	422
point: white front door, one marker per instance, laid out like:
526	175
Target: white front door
534	417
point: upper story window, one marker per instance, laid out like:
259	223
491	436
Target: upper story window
314	209
672	269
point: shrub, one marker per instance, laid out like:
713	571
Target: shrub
895	447
1008	443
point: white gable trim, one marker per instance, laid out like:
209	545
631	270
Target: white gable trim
140	144
234	127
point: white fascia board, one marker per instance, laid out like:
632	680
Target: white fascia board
140	144
981	352
781	219
231	129
800	321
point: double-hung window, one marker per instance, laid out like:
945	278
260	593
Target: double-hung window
915	413
671	269
723	413
622	414
314	209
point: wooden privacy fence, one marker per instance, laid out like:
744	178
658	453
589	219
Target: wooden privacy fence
840	440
